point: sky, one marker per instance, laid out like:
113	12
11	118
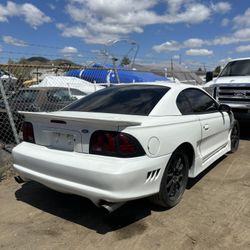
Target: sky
194	32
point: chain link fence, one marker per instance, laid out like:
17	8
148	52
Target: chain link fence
40	88
35	89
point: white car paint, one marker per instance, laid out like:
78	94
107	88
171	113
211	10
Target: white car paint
64	164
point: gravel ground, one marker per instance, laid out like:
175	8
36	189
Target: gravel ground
5	164
214	214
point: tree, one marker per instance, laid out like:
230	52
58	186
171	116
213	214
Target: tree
125	61
10	61
22	60
217	70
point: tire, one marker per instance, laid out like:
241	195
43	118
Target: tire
235	137
174	181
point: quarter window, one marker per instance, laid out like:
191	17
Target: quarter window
183	104
199	101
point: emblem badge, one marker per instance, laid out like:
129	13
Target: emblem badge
240	94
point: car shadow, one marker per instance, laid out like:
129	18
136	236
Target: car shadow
82	211
193	181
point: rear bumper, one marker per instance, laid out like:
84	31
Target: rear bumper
95	177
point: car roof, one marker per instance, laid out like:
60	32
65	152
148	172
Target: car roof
239	59
168	84
43	88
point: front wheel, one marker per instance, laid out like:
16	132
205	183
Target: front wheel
235	137
174	181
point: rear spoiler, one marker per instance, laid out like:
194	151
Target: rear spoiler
110	119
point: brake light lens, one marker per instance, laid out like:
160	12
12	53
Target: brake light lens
115	144
28	132
125	144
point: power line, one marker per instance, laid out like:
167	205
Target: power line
46	46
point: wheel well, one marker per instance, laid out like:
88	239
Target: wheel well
187	147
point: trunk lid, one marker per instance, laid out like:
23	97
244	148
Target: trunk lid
71	131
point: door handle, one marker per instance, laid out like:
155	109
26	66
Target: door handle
206	127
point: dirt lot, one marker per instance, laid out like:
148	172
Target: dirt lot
214	214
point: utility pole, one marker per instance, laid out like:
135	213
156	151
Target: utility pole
114	60
204	67
172	69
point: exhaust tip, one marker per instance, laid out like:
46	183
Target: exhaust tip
111	207
18	179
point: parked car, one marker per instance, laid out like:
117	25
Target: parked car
127	142
232	87
34	99
8	80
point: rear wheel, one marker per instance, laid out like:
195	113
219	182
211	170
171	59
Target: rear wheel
235	137
174	181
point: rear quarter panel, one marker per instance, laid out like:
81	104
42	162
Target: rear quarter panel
171	132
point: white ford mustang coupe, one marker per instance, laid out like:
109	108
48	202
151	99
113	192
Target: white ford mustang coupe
127	142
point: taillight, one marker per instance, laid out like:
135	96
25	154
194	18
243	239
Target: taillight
28	133
115	144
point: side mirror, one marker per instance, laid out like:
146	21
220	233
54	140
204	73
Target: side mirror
209	76
224	108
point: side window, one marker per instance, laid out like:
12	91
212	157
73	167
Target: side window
183	104
59	95
200	101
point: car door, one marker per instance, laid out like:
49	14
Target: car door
215	125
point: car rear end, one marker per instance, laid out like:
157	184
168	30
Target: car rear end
89	154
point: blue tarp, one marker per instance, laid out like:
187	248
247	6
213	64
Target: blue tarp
100	74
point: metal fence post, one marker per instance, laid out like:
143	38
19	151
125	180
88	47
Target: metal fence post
12	124
115	69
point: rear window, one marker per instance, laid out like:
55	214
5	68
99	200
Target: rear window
129	99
